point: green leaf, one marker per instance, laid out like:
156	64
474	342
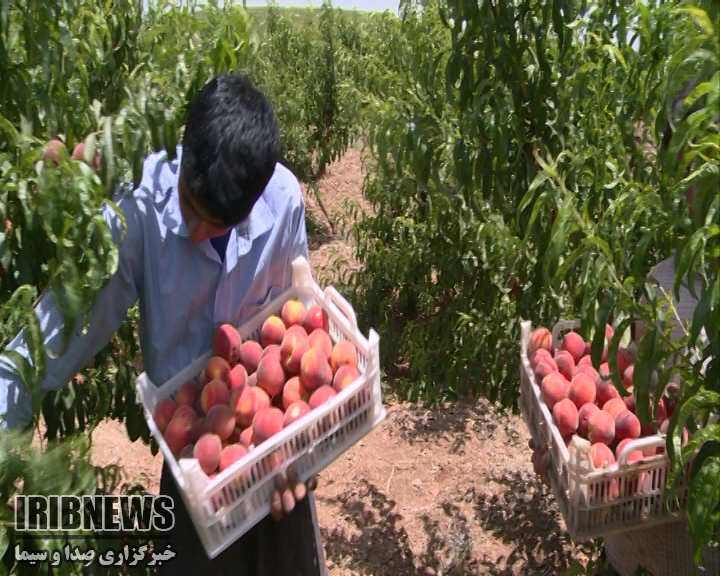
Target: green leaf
702	504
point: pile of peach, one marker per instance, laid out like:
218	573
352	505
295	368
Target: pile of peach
249	391
583	399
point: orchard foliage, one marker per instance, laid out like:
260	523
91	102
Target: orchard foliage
517	173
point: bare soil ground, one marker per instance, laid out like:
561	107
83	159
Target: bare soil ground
438	491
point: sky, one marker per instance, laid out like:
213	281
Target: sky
391	5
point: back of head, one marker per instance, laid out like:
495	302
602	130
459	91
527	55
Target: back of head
230	148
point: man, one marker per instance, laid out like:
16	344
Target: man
210	239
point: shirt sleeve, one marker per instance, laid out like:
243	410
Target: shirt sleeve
107	315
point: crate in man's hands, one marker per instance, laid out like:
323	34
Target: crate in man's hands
225	504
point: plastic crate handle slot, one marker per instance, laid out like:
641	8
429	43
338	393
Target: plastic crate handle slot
640	444
333	299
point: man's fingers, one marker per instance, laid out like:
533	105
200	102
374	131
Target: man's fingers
276	506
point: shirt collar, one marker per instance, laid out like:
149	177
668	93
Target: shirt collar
259	221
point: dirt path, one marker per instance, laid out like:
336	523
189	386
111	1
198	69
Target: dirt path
443	491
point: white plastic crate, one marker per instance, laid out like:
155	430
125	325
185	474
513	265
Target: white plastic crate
225	508
598	503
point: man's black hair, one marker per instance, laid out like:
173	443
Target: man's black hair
230	148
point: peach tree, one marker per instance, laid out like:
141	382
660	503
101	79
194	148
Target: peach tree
517	174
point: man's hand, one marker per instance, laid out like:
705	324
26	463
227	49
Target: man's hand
289	491
540	461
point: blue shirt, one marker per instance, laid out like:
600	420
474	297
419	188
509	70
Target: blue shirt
185	289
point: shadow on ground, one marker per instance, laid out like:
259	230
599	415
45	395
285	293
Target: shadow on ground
378	545
523	516
454	421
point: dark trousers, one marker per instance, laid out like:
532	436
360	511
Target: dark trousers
288	547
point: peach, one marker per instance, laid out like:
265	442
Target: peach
292	350
270	376
329	375
178	434
263	400
293	312
217	369
614	406
601	428
624	359
586	410
316	319
294	391
221	421
252	380
541	338
345	376
585	361
295	411
630	401
541	354
627	425
246	437
602	456
199	428
628	374
320	396
621	445
582	390
272	331
320	340
586	369
267	423
574	344
554	389
313	369
297	329
202	379
605	390
238	377
54	151
543	368
565	364
565	415
244	403
226	343
344	352
216	392
163	414
231	454
185	412
250	354
187	394
207	451
273	351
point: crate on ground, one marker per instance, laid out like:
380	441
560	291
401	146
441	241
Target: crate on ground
594	503
225	507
